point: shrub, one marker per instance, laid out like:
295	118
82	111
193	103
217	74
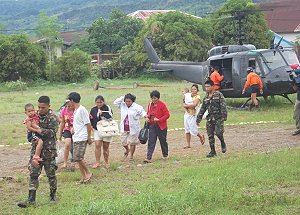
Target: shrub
74	66
15	85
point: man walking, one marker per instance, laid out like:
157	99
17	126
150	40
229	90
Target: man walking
82	135
217	113
48	123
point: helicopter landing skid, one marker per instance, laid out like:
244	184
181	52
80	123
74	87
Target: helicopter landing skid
243	105
287	97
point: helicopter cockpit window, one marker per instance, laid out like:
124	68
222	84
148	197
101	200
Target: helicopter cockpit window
290	56
274	60
255	65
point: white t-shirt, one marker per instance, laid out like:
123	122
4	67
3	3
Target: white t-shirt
81	119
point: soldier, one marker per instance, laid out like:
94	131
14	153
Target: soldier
48	123
217	113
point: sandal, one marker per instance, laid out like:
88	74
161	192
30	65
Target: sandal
87	179
147	161
202	139
186	147
80	181
96	165
126	154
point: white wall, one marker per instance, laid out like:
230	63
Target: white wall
290	36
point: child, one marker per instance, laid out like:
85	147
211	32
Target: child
187	96
32	125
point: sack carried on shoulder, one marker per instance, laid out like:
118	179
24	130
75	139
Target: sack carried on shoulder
144	134
108	128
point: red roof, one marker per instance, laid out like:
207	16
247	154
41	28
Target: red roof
284	15
72	36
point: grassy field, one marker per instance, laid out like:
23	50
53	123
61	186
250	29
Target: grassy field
12	103
238	184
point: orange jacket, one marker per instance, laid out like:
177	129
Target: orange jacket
252	79
216	78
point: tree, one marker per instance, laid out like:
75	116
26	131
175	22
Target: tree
112	34
254	24
87	45
73	66
174	35
20	58
47	30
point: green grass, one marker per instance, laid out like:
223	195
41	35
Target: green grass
238	184
12	103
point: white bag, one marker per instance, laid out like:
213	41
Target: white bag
60	152
108	128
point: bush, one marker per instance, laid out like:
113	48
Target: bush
74	66
20	58
15	85
53	73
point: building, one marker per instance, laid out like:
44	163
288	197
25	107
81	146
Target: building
145	14
67	39
283	17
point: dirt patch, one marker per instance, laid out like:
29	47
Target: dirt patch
239	139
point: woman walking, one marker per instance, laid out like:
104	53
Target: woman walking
157	116
130	127
101	111
190	125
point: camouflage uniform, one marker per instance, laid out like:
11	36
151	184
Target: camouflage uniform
217	114
49	126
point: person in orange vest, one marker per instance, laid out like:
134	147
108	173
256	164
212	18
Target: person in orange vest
254	81
216	77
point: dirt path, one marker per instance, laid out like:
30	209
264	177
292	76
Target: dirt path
246	138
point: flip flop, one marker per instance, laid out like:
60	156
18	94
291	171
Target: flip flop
147	161
186	147
202	139
96	165
80	181
126	154
88	178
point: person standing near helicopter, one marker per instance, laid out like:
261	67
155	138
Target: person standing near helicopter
216	77
256	85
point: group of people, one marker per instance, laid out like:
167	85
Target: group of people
253	81
76	124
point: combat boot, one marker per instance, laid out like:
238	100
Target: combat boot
223	146
30	201
212	152
52	196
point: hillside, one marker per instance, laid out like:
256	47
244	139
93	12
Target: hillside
77	14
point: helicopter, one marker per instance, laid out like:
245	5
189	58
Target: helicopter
233	60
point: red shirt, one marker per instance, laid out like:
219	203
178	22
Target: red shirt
126	124
34	118
159	111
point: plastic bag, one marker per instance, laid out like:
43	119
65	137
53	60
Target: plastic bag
144	134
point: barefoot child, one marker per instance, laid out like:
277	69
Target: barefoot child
32	124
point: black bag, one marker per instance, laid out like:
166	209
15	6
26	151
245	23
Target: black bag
144	134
